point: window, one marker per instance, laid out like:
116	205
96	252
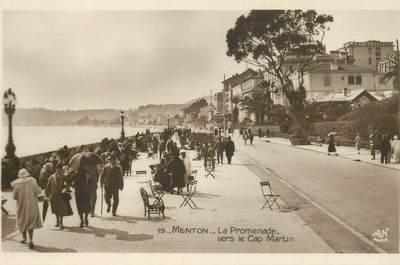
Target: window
370	60
351	80
369	49
327	80
358	80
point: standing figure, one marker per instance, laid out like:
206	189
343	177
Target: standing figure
229	149
112	181
385	148
26	192
372	146
93	180
251	137
176	169
245	137
260	133
188	168
220	147
45	173
82	194
357	142
331	144
161	149
57	191
396	148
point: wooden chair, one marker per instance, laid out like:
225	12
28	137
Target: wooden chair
187	196
157	207
269	196
210	168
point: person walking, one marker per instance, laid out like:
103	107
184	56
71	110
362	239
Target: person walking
260	133
245	137
82	194
57	191
93	181
385	148
229	149
331	144
220	147
357	142
161	149
396	148
251	137
372	145
112	181
45	173
26	192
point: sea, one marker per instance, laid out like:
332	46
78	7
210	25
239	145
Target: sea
33	140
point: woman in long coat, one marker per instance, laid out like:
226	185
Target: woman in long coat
396	149
177	170
331	145
57	191
82	195
26	192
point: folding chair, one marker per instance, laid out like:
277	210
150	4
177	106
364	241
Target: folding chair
141	176
209	168
187	196
157	193
269	196
3	210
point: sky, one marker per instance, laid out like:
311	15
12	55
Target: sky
124	59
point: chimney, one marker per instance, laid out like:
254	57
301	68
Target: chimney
345	92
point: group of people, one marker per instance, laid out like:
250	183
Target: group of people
208	151
52	183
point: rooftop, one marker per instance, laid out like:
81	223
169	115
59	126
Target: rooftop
341	97
341	67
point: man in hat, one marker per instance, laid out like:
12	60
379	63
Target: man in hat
112	181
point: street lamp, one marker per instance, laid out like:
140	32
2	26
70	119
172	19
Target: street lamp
122	125
10	163
168	121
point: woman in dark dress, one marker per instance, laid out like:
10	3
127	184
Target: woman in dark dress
331	145
176	169
82	195
57	191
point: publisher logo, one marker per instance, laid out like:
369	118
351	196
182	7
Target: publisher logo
380	235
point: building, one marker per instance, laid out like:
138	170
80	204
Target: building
237	87
366	54
325	77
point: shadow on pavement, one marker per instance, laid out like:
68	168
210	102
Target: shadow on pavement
52	249
205	195
102	232
134	219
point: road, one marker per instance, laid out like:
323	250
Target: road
363	196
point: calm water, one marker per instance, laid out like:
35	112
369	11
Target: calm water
33	140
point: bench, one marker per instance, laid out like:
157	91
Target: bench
157	207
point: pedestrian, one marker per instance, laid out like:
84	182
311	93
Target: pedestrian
26	192
155	146
357	142
229	149
220	147
385	148
260	132
35	169
331	144
45	173
58	193
396	148
372	145
93	183
245	137
112	181
187	162
149	151
82	194
251	137
176	169
161	148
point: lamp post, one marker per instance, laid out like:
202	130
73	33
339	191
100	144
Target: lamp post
168	121
122	125
10	163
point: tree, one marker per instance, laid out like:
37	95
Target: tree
395	71
259	101
269	38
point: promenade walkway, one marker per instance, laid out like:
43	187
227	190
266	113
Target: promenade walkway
229	207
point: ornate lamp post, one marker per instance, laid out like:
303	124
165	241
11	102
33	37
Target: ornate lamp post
10	163
122	125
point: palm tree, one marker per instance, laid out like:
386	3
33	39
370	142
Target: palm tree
258	101
394	71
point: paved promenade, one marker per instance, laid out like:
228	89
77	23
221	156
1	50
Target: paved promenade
229	208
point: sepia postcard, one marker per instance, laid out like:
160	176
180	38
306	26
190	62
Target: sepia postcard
192	134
